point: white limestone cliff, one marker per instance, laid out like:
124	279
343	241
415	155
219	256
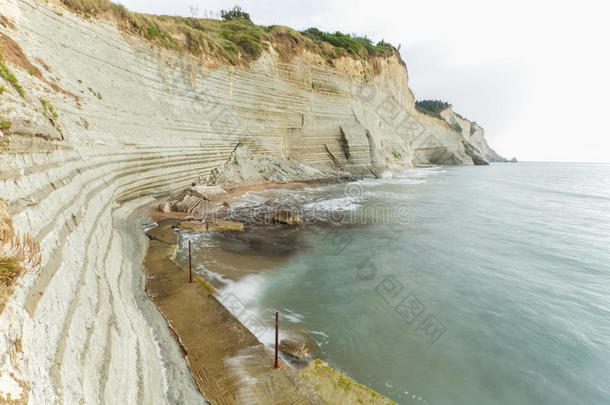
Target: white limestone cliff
473	134
136	122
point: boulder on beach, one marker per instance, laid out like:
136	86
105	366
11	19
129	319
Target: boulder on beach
216	225
165	207
209	193
284	217
297	348
201	201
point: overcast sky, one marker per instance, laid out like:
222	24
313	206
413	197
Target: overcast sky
534	74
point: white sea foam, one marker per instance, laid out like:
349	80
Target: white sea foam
211	275
319	337
239	297
404	180
248	289
425	171
199	240
335	204
292	316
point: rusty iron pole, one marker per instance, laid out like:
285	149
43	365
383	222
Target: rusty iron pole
277	328
190	265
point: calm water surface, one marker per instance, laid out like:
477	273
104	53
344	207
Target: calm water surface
471	285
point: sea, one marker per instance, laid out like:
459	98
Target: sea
438	285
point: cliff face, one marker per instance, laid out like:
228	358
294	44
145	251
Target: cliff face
473	134
105	123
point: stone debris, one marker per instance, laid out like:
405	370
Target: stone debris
165	207
246	168
208	193
284	217
216	225
297	348
200	201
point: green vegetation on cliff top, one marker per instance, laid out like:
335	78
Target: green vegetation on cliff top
434	108
353	45
235	38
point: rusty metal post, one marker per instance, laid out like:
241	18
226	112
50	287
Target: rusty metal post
190	265
277	328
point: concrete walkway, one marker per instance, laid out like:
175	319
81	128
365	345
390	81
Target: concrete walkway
227	361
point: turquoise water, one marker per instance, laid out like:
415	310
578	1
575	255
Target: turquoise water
470	285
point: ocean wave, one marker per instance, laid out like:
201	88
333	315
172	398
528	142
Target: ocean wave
292	316
405	180
239	298
247	290
211	275
335	204
399	179
425	171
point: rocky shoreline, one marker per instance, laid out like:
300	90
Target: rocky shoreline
109	121
228	362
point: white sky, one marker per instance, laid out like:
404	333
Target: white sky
534	74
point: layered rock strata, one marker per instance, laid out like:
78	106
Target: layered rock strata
105	123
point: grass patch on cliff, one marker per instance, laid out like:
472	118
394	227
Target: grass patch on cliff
4	140
234	39
6	73
95	93
49	110
4	124
9	269
17	255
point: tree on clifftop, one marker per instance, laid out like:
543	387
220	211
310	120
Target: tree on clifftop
234	13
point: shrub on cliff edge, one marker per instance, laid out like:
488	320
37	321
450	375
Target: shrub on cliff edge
432	107
353	45
234	13
16	256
